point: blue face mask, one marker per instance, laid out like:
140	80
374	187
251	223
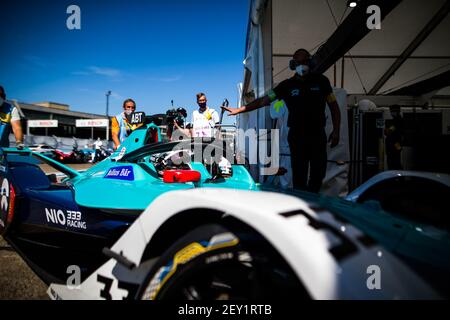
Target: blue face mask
302	69
202	105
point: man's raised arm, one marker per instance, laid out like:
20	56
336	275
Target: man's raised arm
255	104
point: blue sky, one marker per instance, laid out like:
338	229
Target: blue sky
152	51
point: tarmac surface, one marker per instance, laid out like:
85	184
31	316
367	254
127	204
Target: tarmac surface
17	281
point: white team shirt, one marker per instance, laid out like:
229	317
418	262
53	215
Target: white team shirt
98	144
203	123
15	116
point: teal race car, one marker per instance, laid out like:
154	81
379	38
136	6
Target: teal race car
129	219
50	210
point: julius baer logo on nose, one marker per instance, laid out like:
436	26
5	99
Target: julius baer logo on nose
120	173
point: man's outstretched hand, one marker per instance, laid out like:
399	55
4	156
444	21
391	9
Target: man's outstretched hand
232	111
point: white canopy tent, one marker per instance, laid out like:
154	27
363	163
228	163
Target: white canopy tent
411	48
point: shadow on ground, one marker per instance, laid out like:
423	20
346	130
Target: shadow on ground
17	281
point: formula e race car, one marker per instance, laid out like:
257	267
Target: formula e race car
55	216
176	220
235	244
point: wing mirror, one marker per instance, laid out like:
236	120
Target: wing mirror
180	176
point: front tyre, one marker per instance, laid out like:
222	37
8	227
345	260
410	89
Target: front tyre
212	263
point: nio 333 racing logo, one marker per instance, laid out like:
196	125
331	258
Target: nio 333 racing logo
69	218
121	173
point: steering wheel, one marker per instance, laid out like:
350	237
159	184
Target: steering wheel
174	159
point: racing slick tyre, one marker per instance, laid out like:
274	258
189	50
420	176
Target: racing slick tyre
212	263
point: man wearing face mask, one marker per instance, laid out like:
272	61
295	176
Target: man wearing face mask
120	126
204	119
305	95
9	119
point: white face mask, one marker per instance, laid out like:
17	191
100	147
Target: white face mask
1	101
302	69
128	112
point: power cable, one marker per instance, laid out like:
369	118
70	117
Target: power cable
349	53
